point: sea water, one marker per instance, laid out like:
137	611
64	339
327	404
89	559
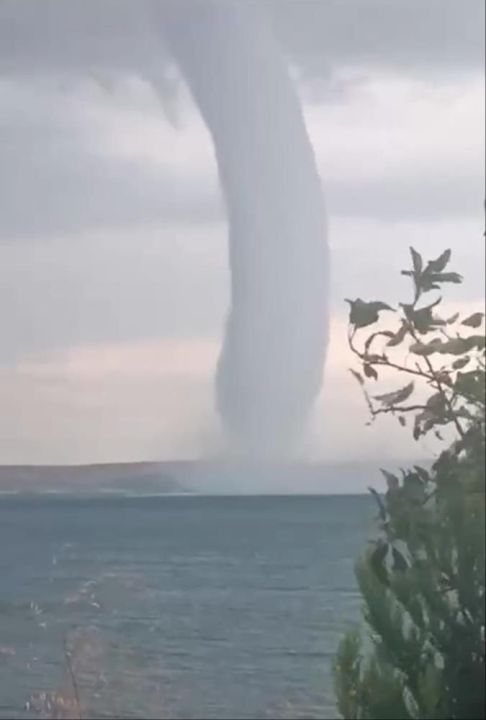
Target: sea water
177	606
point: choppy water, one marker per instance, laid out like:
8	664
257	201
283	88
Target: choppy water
199	607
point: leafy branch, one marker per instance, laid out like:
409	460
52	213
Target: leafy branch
417	327
422	579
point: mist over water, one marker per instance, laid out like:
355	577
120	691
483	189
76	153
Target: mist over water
271	363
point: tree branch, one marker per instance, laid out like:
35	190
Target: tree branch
441	389
398	409
383	361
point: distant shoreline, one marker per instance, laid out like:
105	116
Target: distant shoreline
99	478
190	477
19	498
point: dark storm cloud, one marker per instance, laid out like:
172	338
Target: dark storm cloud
319	34
53	181
54	35
409	35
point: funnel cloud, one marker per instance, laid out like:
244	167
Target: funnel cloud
271	363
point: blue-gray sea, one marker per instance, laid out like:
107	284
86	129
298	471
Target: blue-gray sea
176	606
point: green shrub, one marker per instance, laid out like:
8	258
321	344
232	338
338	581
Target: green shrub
422	652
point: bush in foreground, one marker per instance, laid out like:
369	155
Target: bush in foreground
422	652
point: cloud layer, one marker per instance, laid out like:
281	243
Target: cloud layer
112	231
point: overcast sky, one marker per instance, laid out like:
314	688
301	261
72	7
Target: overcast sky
113	248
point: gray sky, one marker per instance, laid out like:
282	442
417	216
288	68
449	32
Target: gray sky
113	255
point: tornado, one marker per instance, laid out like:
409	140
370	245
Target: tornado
271	363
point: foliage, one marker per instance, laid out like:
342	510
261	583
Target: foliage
423	579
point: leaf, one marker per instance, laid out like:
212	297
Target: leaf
398	337
391	479
396	397
471	385
402	421
377	562
426	349
464	413
436	266
427	283
417	429
373	336
364	313
444	377
458	346
452	318
414	488
435	413
408	310
357	375
476	341
422	473
423	318
417	262
474	320
424	321
433	274
436	403
370	371
451	277
454	346
379	502
461	362
399	562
